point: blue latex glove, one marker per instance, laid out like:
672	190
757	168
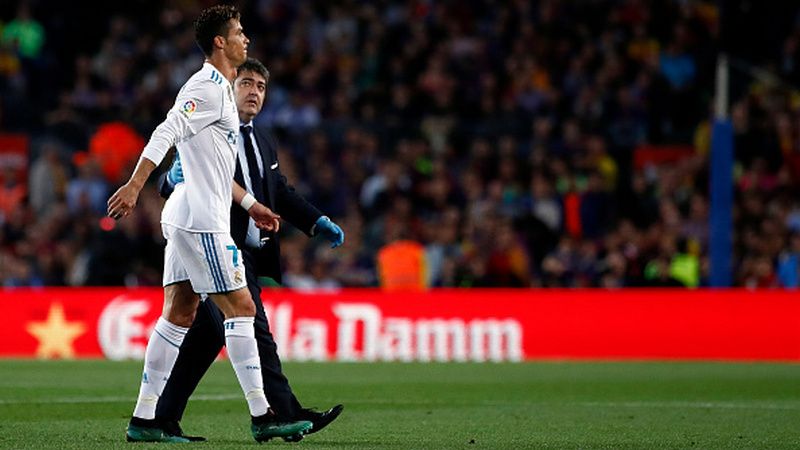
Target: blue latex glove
175	173
329	231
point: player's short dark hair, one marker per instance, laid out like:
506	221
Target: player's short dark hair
213	22
255	66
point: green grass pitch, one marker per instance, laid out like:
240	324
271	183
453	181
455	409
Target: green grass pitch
572	405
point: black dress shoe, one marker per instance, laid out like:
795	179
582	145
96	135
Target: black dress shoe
173	428
320	419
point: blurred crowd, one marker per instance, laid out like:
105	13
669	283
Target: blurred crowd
500	136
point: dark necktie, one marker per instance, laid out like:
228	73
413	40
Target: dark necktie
256	180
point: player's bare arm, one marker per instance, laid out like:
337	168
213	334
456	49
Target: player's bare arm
264	217
124	200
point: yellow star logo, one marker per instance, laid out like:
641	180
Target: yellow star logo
55	334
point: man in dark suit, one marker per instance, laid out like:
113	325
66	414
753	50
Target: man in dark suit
257	171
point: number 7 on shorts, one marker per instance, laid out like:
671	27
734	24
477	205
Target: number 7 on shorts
235	252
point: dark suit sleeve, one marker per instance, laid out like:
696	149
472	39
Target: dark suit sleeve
165	188
291	206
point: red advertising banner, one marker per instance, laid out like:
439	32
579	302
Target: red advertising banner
437	325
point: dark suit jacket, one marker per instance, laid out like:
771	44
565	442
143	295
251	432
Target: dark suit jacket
280	197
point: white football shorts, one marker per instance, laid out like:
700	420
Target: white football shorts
210	261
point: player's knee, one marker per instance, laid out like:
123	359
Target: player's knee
242	303
235	304
181	318
244	308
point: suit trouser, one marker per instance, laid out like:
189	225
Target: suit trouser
203	343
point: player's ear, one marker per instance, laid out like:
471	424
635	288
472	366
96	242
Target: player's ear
219	41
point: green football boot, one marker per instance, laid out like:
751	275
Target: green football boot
143	430
270	425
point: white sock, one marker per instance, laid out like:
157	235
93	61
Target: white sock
159	358
240	341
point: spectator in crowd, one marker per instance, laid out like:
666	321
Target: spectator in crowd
12	192
47	180
526	112
24	34
87	193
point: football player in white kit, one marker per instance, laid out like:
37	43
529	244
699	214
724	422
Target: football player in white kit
201	257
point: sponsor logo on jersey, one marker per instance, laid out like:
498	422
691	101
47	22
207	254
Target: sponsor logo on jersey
232	137
188	108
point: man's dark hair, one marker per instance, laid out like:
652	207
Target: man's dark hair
213	22
254	65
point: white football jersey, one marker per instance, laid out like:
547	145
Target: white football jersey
204	127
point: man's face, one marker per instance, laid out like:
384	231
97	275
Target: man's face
236	43
250	88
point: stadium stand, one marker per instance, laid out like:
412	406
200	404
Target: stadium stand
523	144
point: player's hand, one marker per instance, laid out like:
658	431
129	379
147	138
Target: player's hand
175	173
264	217
123	201
330	231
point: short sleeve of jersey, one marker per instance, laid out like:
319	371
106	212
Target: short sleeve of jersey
200	104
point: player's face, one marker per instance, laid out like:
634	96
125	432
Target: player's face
250	88
236	43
